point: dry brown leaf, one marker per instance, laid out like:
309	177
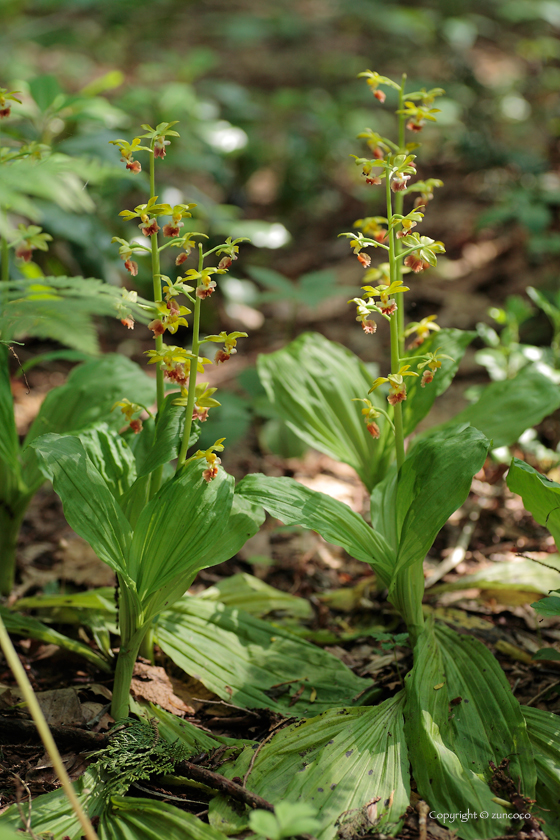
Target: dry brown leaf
151	683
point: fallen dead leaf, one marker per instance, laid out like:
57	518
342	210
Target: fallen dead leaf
151	683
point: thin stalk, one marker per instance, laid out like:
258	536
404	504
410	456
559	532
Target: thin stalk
395	349
192	373
407	599
124	669
43	730
155	480
131	639
156	283
5	276
399	203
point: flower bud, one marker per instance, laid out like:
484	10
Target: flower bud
373	429
150	228
24	251
221	357
131	266
157	327
427	377
172	230
398	182
415	263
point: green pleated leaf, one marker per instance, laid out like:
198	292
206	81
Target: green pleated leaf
349	764
88	397
505	409
9	442
53	813
114	460
488	724
256	597
89	506
420	400
241	658
144	819
90	394
311	384
245	519
548	606
448	785
168	435
527	576
295	504
434	481
544	734
540	495
32	628
7	833
173	729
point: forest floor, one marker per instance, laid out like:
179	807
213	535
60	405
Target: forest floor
491	529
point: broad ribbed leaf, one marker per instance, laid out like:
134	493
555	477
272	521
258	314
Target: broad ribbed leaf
434	481
505	409
110	454
145	819
52	815
540	495
256	597
31	628
241	658
89	506
516	580
245	519
447	785
9	443
311	384
168	435
90	394
420	400
488	724
183	522
340	762
87	397
544	734
295	504
243	523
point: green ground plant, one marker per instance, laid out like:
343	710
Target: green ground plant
412	494
53	307
455	719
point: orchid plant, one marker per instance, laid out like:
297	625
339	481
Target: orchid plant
155	526
327	397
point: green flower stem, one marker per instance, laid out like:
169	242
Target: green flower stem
399	202
11	517
5	256
407	598
192	372
44	731
156	283
395	342
132	632
126	660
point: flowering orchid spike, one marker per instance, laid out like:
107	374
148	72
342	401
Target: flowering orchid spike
211	459
432	364
422	329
